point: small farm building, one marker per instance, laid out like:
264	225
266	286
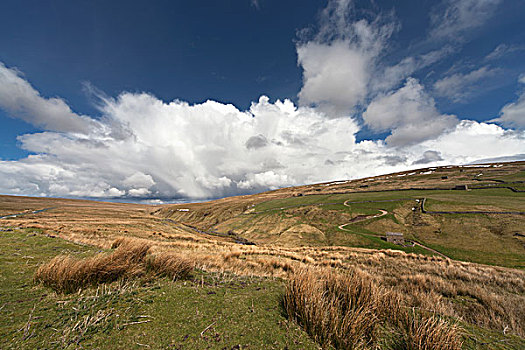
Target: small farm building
395	237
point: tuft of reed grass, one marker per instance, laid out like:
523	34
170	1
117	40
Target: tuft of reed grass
337	311
170	265
351	312
130	259
418	332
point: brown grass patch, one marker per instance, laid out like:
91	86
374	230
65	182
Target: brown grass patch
171	265
425	332
351	312
130	259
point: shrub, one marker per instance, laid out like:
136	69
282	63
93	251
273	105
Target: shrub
426	333
335	310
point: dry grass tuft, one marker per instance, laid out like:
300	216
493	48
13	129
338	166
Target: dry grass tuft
335	310
130	259
171	265
351	312
418	332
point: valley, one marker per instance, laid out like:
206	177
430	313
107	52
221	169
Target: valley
461	259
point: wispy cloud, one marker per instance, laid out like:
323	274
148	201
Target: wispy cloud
458	87
391	76
452	19
22	101
503	50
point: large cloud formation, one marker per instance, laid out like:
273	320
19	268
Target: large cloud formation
144	148
339	61
409	114
177	150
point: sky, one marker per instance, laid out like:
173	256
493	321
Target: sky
165	101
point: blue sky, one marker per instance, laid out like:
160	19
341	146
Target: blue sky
371	87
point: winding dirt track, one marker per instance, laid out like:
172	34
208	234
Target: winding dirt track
364	218
368	217
383	213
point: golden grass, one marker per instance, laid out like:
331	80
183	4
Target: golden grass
425	332
351	312
130	259
486	296
171	265
335	311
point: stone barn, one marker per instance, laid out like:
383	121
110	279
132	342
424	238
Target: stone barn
395	237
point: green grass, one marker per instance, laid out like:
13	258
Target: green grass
297	201
367	239
518	176
501	199
479	338
496	258
210	311
277	204
471	237
153	314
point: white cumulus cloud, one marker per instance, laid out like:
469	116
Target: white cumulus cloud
409	113
339	61
471	140
512	115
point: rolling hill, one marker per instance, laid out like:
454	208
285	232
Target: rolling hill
456	279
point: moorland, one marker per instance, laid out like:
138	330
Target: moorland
300	267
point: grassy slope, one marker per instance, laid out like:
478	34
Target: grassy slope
177	312
482	238
236	312
242	311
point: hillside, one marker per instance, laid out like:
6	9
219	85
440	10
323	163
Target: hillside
472	213
458	275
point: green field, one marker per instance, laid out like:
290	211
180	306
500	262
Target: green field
485	238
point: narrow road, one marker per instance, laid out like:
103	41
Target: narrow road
383	213
430	249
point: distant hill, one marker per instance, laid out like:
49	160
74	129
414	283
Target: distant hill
430	258
472	212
